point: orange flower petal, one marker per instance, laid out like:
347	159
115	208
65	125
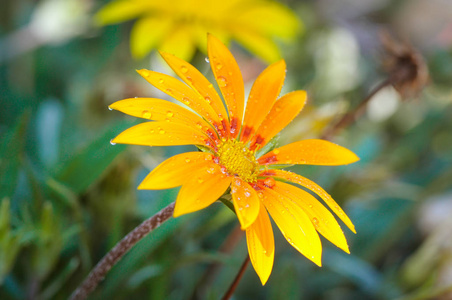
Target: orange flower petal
321	217
162	134
310	152
294	224
263	94
246	202
282	113
199	83
229	79
162	110
310	185
203	188
173	171
183	93
261	244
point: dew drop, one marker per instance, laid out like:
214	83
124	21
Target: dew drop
289	240
219	66
145	73
161	80
186	100
209	157
207	60
146	114
109	108
113	143
222	82
265	251
200	180
184	69
169	114
187	160
208	99
315	221
247	205
210	86
240	208
161	131
310	205
269	182
247	194
276	151
278	109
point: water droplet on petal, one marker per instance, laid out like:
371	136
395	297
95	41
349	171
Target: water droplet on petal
269	182
184	69
315	221
247	205
144	73
240	208
161	131
186	100
208	99
113	143
276	151
109	108
169	114
247	194
265	251
222	82
200	180
207	60
219	66
210	86
187	160
146	114
161	80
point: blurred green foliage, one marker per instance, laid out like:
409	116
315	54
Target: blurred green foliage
67	195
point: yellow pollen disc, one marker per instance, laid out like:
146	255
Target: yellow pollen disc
238	160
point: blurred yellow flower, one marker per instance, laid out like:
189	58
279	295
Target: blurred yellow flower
180	26
231	138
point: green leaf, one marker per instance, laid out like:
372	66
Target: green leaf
11	149
86	165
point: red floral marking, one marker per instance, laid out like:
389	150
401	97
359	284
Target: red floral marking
225	127
246	132
211	134
256	186
268	173
258	140
268	160
234	125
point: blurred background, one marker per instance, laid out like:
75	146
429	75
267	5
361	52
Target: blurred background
67	195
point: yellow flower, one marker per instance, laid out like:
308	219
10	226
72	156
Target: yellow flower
231	140
181	26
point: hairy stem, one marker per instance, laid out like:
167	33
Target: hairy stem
236	281
121	248
352	115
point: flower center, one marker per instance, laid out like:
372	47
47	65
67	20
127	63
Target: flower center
238	160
